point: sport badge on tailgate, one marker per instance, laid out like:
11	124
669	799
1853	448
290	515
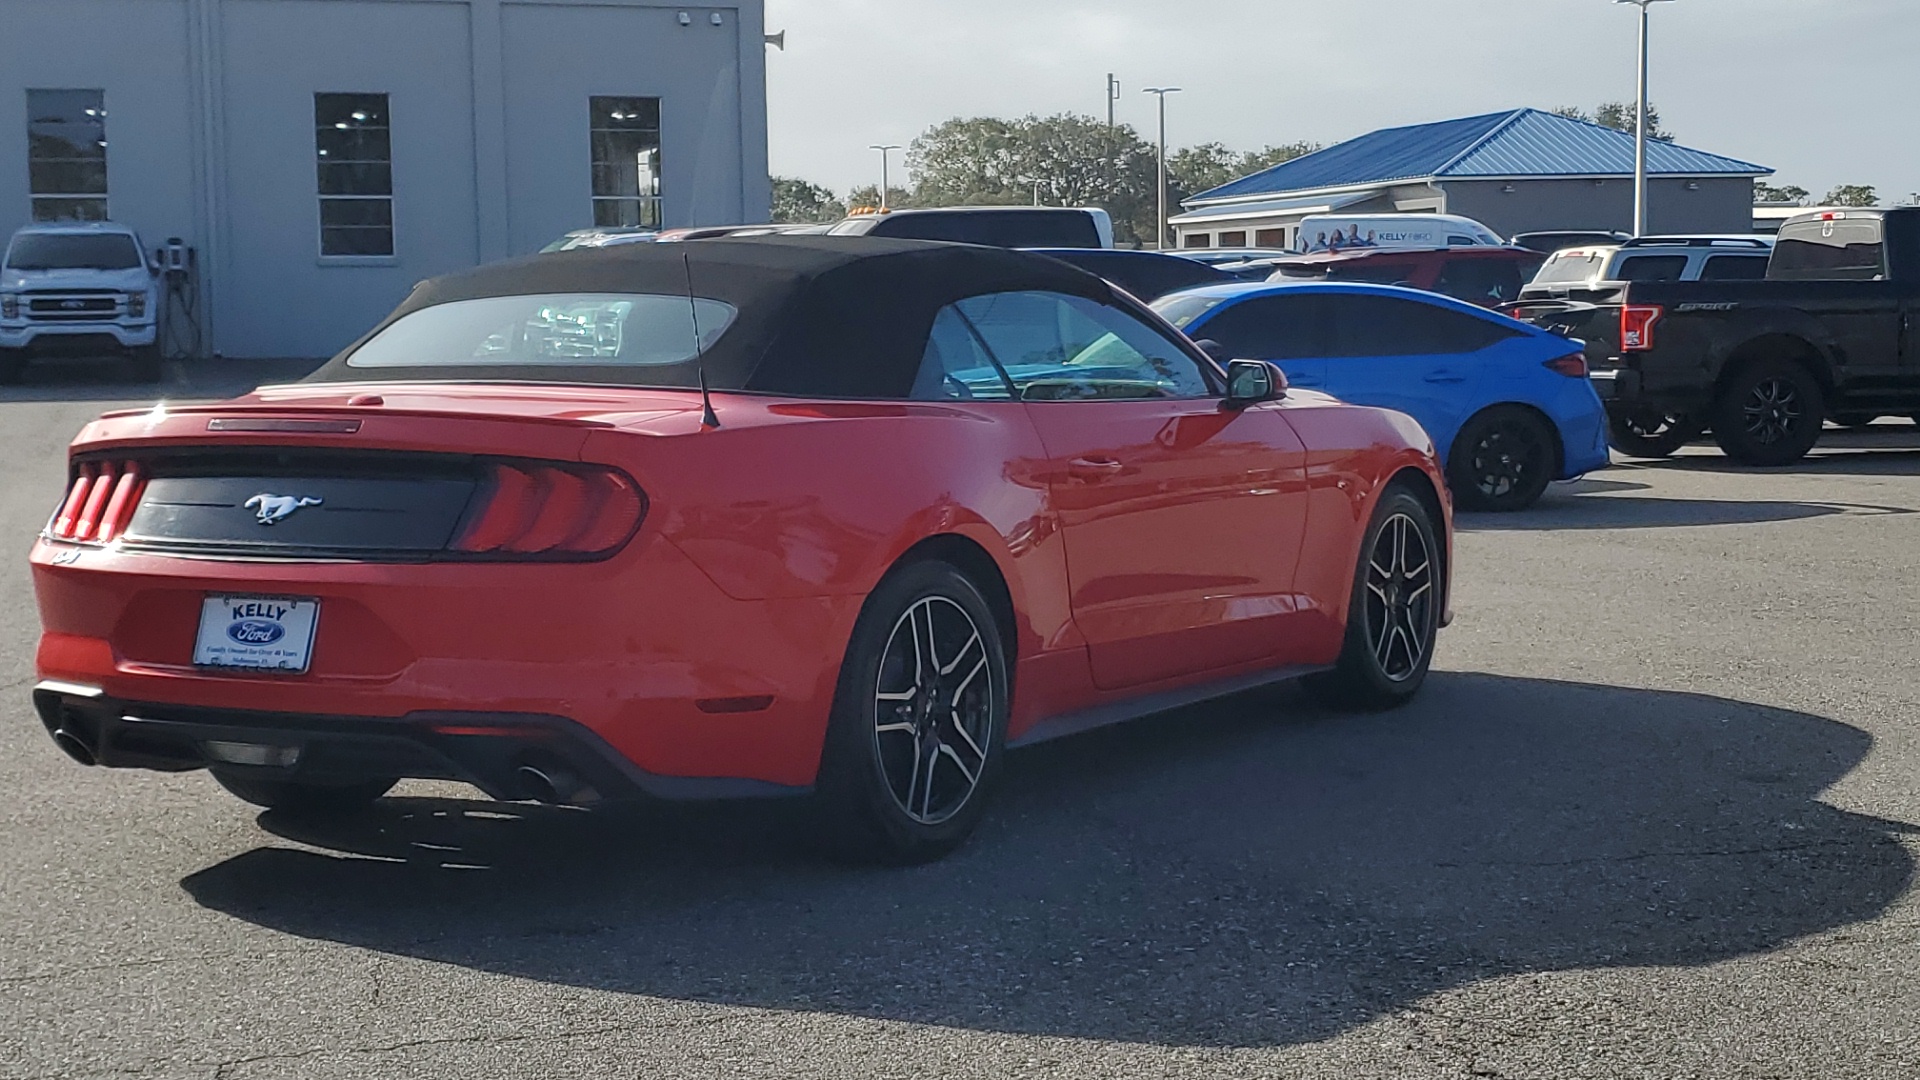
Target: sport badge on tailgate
263	633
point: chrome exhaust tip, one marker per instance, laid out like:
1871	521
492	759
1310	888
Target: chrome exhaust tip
75	747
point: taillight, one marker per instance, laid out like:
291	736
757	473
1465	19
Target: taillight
531	510
100	503
1573	366
1636	326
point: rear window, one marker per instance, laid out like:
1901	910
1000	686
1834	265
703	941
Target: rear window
73	251
1372	271
994	228
1569	267
1734	268
1481	281
1651	268
1851	249
558	329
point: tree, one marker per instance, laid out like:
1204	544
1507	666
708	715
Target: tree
867	196
797	202
1202	168
1853	195
1074	161
1790	194
1619	115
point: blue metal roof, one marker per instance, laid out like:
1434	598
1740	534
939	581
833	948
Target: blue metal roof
1522	143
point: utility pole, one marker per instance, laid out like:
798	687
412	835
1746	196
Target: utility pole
886	176
1640	124
1161	92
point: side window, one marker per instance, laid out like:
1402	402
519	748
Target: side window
1734	268
1481	281
1055	347
1652	268
1388	326
1270	328
956	367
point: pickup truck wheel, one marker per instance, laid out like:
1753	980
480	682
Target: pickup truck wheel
13	366
1769	414
1502	460
1651	434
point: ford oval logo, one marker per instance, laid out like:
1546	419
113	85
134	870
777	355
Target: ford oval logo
256	632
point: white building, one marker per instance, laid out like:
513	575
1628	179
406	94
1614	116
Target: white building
322	156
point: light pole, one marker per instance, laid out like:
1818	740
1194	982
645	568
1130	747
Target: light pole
886	175
1161	92
1640	121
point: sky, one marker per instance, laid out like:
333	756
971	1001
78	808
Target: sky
1822	90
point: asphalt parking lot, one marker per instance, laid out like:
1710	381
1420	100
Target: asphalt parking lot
1653	817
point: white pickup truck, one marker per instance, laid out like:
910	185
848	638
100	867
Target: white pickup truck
78	289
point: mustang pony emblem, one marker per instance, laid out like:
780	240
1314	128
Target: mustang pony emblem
271	508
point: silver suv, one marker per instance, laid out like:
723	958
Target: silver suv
1651	258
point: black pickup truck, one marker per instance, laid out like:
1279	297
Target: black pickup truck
1829	334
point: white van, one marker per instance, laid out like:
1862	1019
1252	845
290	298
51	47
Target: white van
1355	232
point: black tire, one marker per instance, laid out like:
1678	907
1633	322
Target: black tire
1393	618
13	366
1503	459
916	739
1649	434
144	363
1769	413
292	797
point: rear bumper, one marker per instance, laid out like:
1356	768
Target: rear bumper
488	750
642	652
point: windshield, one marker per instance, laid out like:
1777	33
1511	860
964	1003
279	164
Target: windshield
73	251
560	329
1181	311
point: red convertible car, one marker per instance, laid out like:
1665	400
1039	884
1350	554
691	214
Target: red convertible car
836	517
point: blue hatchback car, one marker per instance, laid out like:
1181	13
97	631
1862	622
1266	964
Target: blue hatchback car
1508	405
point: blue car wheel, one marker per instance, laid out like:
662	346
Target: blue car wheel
1503	460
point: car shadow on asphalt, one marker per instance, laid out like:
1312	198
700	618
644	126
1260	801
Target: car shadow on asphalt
107	380
1250	873
1578	511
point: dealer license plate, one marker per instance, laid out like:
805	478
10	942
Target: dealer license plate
256	633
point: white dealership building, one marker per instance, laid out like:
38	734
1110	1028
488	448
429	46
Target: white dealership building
320	157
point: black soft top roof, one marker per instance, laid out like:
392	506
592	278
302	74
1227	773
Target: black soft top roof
825	316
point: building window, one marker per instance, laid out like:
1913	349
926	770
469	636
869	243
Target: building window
354	148
1197	240
1234	239
626	162
67	154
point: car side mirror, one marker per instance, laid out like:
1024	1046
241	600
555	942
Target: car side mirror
1250	382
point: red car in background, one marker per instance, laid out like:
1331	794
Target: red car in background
1487	276
939	501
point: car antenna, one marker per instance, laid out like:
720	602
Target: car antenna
707	416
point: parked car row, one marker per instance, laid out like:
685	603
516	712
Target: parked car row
1828	334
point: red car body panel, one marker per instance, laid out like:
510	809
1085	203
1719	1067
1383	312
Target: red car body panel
1145	547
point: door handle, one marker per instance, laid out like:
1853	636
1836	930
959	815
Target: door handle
1093	468
1445	376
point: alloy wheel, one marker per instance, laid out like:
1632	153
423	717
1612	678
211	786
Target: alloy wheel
933	710
1400	598
1773	411
1505	459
